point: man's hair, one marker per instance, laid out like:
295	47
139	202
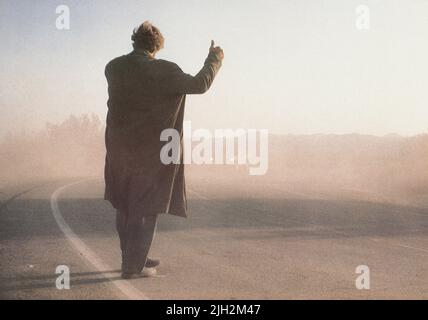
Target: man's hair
147	37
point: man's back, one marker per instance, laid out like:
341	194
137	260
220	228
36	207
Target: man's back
147	96
140	105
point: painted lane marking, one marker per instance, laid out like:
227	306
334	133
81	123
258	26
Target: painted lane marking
124	286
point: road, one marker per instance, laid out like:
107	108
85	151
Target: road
251	242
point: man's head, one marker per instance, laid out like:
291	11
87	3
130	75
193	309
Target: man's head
147	37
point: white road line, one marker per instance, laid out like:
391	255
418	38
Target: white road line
124	286
411	247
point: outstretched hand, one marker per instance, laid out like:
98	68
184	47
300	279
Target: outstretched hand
217	50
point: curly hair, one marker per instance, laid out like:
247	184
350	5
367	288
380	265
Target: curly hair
147	37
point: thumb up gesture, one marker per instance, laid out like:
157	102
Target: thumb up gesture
217	50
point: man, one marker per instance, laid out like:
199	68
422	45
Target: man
146	96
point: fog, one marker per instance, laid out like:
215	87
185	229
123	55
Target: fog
72	148
391	166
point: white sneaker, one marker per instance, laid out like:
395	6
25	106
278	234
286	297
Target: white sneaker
148	272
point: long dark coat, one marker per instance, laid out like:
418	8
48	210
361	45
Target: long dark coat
146	96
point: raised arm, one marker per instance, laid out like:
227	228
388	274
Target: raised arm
179	82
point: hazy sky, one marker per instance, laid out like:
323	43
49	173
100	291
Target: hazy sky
296	66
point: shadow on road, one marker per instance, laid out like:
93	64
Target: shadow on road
48	280
286	218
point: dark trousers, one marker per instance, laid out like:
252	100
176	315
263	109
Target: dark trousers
136	234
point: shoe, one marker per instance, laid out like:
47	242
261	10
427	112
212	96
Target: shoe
151	263
146	273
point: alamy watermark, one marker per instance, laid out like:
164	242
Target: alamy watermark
63	280
62	21
223	146
362	17
363	280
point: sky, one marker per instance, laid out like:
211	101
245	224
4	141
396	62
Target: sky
291	66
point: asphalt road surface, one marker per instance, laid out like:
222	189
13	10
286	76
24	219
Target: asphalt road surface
251	242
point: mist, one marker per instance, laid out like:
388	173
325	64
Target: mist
381	168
